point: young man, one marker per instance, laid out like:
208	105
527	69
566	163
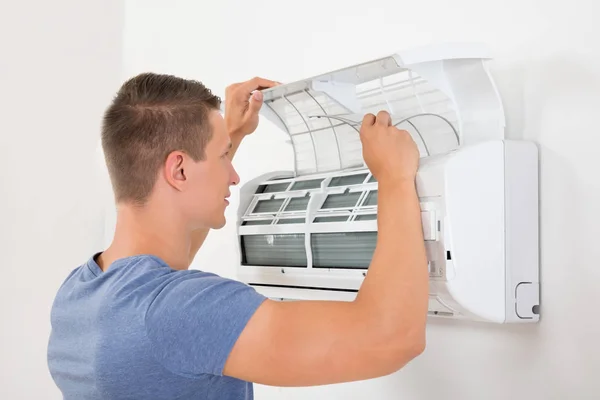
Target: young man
134	323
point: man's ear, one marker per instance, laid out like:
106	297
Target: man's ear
174	171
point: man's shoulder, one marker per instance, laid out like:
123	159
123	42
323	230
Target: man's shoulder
197	286
195	318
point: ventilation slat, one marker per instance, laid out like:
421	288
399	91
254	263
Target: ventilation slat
297	204
342	200
268	206
347	180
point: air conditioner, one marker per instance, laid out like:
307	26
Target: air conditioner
310	233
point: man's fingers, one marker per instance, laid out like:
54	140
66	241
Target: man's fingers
257	84
368	120
255	102
383	118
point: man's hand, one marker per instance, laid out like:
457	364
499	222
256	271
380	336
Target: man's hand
242	105
390	153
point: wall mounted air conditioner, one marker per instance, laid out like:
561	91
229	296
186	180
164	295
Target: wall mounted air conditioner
310	233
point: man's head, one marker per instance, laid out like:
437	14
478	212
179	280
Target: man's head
165	141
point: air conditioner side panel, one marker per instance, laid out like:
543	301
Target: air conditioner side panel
474	195
522	227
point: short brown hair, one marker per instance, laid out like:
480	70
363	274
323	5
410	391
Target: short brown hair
151	116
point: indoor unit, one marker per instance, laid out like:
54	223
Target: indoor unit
310	233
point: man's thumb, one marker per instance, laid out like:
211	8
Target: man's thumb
256	101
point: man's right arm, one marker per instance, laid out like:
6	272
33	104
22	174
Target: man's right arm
305	343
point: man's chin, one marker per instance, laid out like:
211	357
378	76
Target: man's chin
219	224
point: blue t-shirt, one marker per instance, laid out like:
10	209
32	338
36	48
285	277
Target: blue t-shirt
142	330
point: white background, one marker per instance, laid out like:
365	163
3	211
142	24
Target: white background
60	62
547	66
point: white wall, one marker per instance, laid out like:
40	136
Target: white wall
60	62
548	70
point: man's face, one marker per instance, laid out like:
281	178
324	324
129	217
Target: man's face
210	179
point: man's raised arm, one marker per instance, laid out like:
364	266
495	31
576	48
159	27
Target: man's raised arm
323	342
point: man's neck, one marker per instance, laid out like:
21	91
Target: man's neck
142	230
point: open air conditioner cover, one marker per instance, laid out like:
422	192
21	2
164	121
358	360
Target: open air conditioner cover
441	95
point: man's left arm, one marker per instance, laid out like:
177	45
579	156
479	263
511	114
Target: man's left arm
242	105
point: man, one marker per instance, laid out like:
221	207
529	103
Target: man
134	322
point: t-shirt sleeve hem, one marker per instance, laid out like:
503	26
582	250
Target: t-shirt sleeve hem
254	301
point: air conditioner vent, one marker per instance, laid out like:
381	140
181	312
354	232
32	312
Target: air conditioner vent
347	180
274	250
268	206
342	200
343	249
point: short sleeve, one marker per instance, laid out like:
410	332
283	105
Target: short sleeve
195	320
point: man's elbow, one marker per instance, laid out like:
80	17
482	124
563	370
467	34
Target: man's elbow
413	346
417	346
405	347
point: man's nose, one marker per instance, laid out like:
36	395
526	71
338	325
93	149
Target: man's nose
235	178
